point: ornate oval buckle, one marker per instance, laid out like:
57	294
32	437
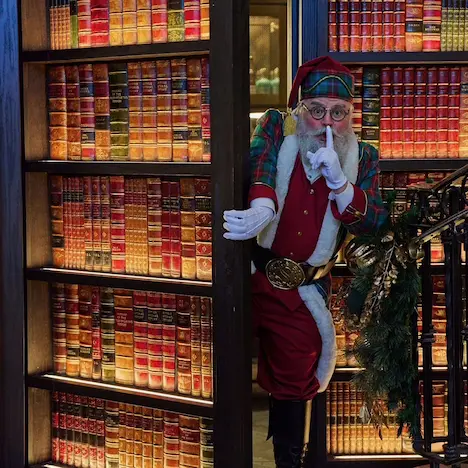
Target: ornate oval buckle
283	273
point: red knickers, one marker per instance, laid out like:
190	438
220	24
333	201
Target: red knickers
290	345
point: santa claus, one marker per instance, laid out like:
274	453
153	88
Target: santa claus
311	182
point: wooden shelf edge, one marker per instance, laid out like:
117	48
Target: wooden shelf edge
114	280
421	165
387	58
119	168
389	461
49	464
143	397
117	52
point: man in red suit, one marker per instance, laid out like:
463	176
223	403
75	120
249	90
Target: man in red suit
311	182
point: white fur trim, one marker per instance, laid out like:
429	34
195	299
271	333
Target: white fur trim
323	318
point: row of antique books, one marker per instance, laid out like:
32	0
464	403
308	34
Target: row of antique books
152	111
100	23
146	226
345	339
397	25
95	433
348	433
412	112
146	339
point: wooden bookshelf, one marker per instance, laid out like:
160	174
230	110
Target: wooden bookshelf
400	58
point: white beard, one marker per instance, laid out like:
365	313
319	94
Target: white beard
308	141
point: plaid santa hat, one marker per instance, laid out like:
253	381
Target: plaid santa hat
322	77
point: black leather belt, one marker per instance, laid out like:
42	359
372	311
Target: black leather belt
284	273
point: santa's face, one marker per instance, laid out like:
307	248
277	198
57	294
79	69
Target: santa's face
313	116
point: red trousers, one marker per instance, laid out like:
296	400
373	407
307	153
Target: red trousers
290	343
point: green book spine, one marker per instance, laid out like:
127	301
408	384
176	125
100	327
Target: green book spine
444	25
74	23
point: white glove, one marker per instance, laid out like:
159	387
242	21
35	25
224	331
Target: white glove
246	224
327	161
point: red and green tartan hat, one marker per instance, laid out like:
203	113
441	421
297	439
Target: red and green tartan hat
322	77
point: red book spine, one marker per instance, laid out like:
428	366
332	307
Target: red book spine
73	221
171	439
463	135
377	26
388	25
454	112
432	22
55	427
159	20
84	23
206	347
81	230
442	112
96	333
386	113
169	341
420	113
203	236
140	338
142	231
117	198
154	226
86	332
175	230
343	26
195	142
92	433
70	430
67	227
59	328
400	25
62	427
135	115
88	117
332	26
431	113
129	226
88	222
57	218
195	344
155	326
166	229
149	109
106	250
147	438
57	103
205	109
122	434
73	330
100	23
366	25
97	219
183	352
144	21
179	110
408	112
355	26
192	13
78	412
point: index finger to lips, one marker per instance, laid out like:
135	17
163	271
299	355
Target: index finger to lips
329	137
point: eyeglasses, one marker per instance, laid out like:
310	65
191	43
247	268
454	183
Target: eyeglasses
318	112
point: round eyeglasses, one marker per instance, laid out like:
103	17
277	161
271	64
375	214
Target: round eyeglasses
318	112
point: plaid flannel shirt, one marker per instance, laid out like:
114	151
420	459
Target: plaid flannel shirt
264	149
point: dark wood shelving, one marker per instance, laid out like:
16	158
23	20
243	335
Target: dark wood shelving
49	464
169	49
119	168
421	165
390	58
135	396
384	461
115	280
345	374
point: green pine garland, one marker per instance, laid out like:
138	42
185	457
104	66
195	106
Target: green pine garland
384	347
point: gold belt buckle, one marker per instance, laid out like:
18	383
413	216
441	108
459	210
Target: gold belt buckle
284	273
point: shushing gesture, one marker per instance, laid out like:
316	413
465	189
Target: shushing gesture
326	160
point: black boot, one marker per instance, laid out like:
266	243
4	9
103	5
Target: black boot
287	426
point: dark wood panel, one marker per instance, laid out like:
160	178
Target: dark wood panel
39	425
170	49
132	395
12	314
34	21
129	168
229	61
421	165
391	58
